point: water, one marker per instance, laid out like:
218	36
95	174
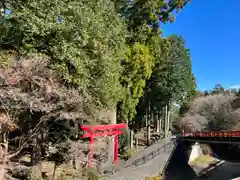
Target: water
178	168
226	171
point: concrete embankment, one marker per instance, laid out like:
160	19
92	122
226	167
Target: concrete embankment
178	168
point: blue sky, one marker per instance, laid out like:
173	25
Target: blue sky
211	29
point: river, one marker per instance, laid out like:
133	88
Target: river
178	169
226	171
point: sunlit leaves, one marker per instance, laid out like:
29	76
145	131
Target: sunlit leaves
172	78
85	40
143	19
137	67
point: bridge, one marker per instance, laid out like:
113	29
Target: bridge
224	148
153	160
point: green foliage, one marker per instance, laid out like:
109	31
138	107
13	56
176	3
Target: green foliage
217	89
123	140
137	68
159	83
128	153
142	19
145	12
181	73
91	174
5	59
79	47
111	49
191	93
172	77
74	35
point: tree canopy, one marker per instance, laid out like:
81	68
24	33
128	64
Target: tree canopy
216	110
74	35
143	19
172	79
62	61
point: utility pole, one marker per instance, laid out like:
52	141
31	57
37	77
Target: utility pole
3	8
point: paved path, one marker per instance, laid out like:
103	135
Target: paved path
151	168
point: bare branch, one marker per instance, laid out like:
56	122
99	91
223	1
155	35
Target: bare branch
30	135
213	112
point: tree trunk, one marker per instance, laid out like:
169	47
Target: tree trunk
39	145
131	138
54	171
148	133
2	172
35	150
169	122
160	121
157	128
166	121
143	120
128	134
146	120
3	156
113	120
136	142
148	126
156	121
3	8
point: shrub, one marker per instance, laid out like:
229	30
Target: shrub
91	174
129	152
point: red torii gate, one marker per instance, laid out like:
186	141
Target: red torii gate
92	134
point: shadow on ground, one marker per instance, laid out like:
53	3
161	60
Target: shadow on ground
178	168
228	152
226	171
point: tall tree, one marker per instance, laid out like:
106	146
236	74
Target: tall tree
73	34
142	18
217	89
172	78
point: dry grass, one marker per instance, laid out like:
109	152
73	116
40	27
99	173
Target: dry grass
202	161
155	178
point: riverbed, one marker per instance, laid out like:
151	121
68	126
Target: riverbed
178	169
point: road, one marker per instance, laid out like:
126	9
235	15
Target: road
226	171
